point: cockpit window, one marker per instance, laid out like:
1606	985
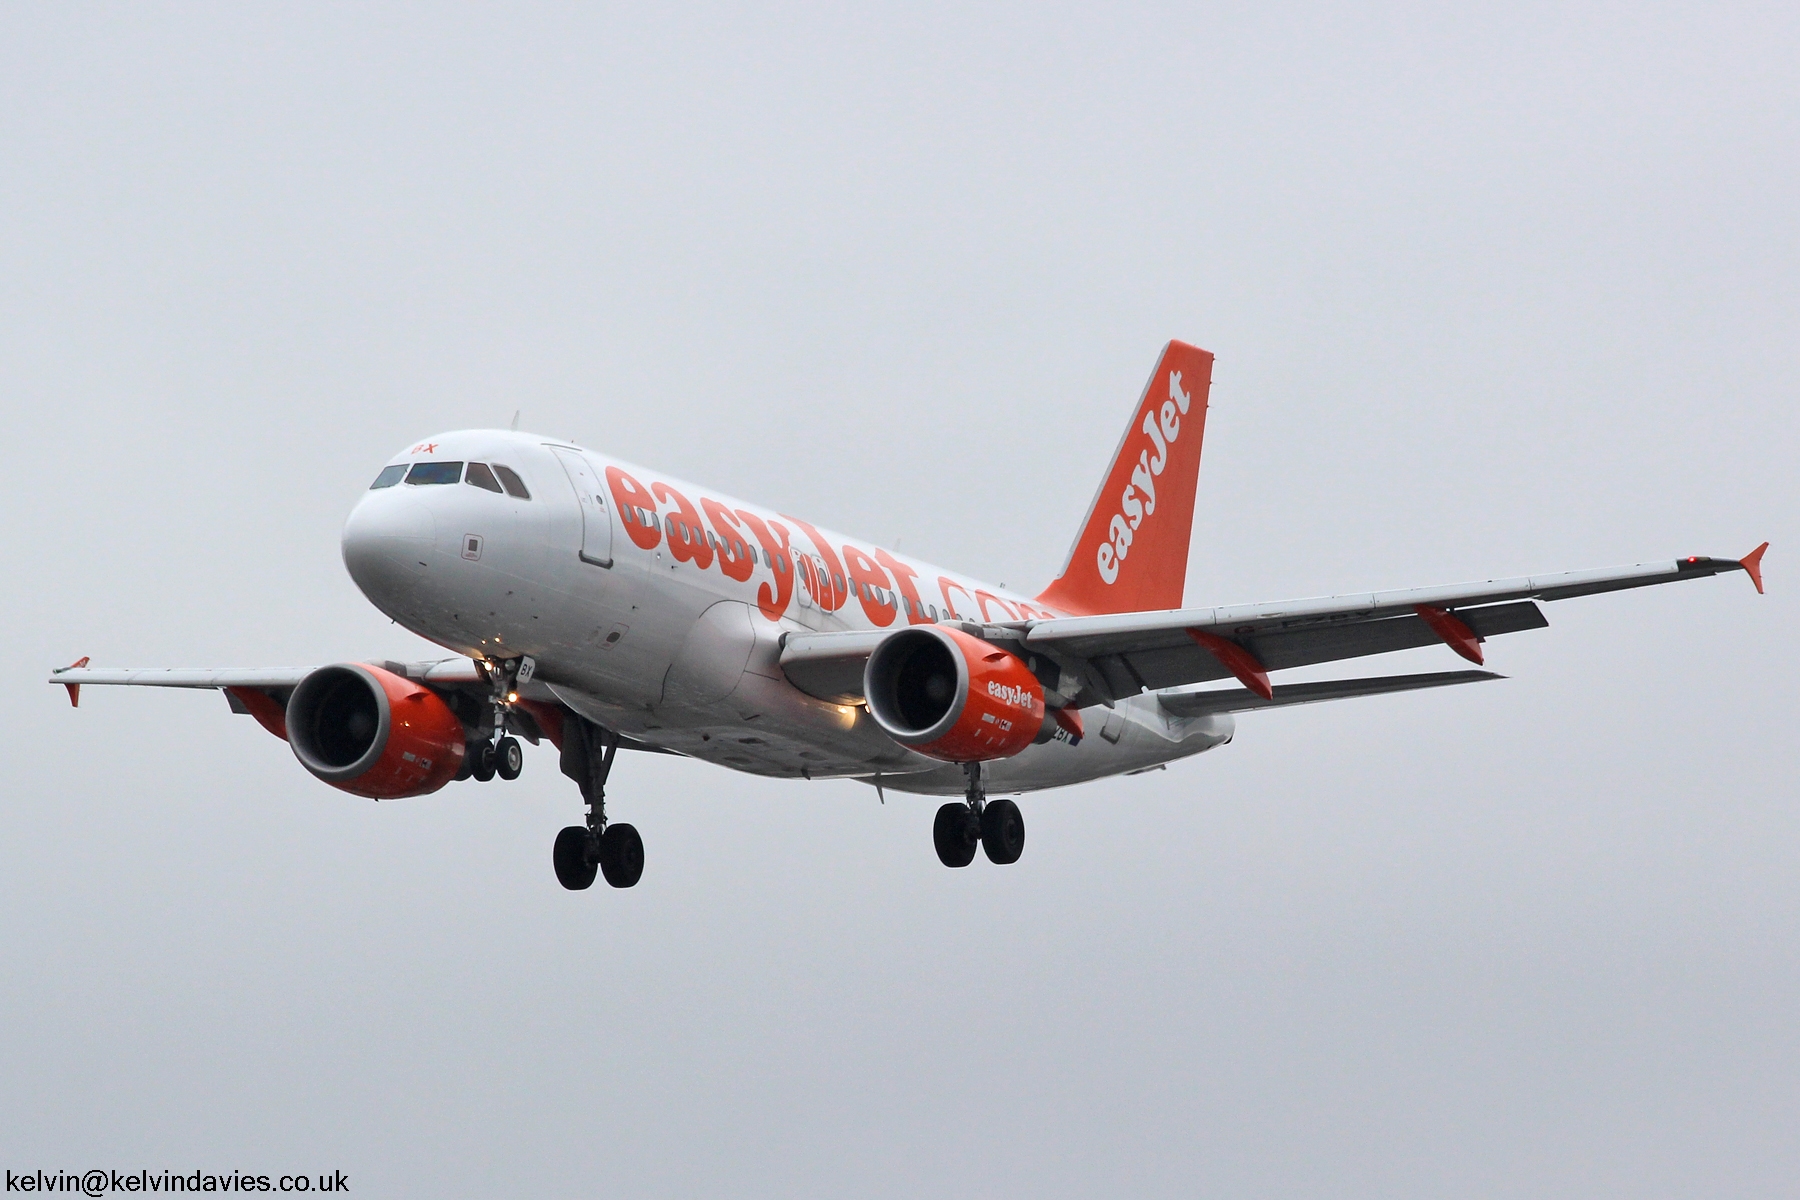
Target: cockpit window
435	472
514	485
389	476
481	477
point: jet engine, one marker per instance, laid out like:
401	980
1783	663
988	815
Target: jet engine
952	696
373	733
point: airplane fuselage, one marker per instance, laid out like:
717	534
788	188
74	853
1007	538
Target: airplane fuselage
657	608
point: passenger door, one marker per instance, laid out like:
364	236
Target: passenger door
596	518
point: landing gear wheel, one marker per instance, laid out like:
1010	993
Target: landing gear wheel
468	764
573	870
484	761
1002	831
509	758
956	832
621	855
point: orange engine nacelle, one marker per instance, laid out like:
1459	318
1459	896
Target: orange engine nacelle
952	696
373	733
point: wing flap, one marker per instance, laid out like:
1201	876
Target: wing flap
1234	700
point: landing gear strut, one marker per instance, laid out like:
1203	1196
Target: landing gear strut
995	825
615	850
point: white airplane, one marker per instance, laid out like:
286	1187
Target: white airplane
603	606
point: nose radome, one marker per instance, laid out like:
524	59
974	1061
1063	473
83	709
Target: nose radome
385	538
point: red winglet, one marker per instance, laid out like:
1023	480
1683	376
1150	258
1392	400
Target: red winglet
1239	661
1069	721
1752	562
75	688
1458	636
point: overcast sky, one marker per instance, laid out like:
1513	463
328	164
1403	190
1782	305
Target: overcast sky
1493	291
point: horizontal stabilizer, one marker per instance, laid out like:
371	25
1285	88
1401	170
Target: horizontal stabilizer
1229	700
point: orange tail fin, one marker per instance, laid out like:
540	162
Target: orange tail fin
1132	553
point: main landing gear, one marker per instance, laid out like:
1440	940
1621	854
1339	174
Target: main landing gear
614	851
995	825
619	857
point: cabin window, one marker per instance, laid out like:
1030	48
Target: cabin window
481	477
434	472
389	476
515	486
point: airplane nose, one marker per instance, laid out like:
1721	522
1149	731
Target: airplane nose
386	540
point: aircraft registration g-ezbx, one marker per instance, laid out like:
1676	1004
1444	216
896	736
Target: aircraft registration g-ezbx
601	606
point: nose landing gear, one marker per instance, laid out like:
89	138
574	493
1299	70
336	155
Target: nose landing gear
501	755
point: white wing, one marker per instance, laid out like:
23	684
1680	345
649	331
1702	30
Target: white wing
1107	657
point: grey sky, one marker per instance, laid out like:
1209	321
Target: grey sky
1493	291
